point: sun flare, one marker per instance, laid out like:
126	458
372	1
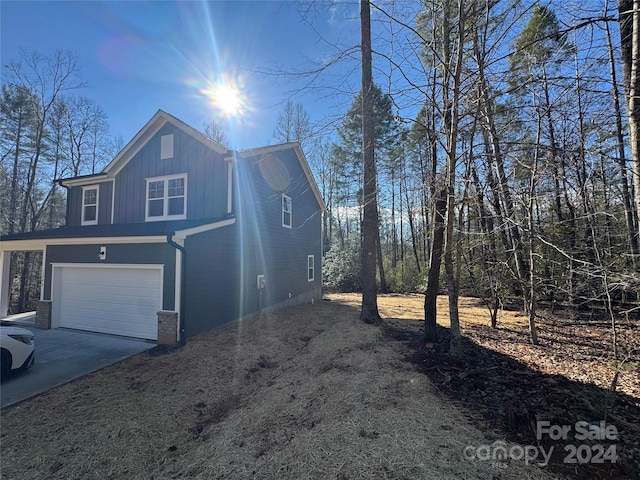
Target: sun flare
227	97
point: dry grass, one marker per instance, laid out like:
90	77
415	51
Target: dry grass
306	393
411	307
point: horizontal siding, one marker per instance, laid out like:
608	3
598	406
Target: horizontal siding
277	252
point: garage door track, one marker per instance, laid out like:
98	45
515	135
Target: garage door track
63	355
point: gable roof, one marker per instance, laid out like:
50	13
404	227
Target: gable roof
159	120
295	146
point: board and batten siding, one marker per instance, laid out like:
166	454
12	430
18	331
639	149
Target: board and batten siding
206	177
74	199
120	254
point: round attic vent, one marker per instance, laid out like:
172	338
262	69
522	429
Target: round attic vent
275	172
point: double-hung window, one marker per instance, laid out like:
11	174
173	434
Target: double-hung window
286	211
311	268
166	198
90	205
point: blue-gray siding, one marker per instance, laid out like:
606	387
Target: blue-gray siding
206	181
105	196
206	178
222	265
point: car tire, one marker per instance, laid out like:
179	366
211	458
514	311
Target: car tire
5	363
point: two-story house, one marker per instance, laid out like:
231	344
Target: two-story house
178	235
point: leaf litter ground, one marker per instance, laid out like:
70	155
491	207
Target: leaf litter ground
305	393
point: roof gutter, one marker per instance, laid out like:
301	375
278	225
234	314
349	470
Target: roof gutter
183	269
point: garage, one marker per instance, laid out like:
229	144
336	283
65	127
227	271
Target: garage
117	299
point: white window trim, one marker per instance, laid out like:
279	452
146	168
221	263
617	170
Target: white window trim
166	146
282	203
165	208
229	185
313	268
97	189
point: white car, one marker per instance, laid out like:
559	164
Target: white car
17	349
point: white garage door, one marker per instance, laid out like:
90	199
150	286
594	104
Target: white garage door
117	300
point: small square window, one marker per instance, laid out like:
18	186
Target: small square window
286	211
311	270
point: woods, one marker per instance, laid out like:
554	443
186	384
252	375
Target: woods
518	170
48	131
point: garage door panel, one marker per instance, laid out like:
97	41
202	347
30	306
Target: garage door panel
117	300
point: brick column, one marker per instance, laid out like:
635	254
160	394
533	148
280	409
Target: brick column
43	314
167	327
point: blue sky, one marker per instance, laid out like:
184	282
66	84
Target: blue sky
138	57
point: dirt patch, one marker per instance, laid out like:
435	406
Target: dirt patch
306	393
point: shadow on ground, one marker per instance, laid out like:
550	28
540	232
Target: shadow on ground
502	393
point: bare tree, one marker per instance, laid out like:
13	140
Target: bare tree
214	131
86	131
48	77
293	125
452	57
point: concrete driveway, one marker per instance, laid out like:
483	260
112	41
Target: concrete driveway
62	355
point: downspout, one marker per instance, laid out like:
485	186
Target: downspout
183	269
66	215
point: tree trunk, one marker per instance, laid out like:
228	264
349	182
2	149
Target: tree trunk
501	189
412	230
383	279
629	20
369	312
451	98
622	158
13	199
435	261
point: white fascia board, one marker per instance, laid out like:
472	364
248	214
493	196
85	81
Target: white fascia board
159	120
201	137
307	171
85	181
253	152
40	244
134	146
182	234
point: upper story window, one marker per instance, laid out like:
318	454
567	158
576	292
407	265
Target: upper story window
311	268
90	205
286	211
166	146
166	198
